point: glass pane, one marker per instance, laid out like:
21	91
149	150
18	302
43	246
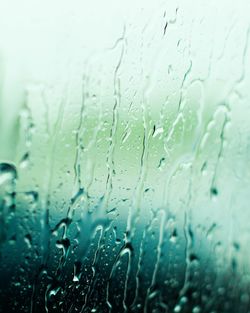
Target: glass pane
124	160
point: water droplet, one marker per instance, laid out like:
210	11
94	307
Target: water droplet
174	235
13	239
8	172
177	309
77	271
24	163
196	309
214	192
157	131
193	257
28	240
161	164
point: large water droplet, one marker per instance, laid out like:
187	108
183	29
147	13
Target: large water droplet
8	172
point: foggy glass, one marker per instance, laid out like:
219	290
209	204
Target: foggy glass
124	156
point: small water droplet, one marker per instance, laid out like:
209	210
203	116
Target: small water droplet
214	192
161	164
28	240
24	163
196	309
77	271
236	246
174	235
183	300
177	309
204	168
32	196
157	131
193	257
13	239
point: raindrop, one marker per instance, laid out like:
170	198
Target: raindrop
8	172
214	192
28	240
161	163
24	163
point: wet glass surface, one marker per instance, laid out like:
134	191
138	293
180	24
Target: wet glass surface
124	156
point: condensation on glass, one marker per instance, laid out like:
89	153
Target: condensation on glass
124	156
